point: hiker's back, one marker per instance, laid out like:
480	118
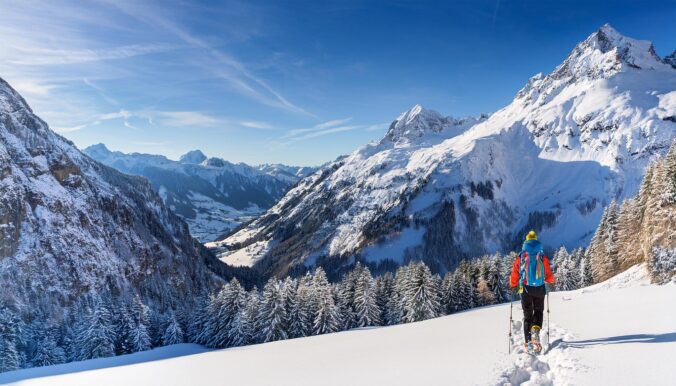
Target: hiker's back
532	267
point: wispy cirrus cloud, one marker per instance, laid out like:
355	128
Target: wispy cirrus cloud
186	118
41	56
323	129
32	87
220	63
256	125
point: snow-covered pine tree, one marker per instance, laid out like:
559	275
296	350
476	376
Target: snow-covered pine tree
252	309
384	289
422	294
586	274
9	338
199	318
401	280
123	325
140	338
658	231
290	290
394	313
301	311
366	308
46	351
446	292
327	317
662	264
468	296
458	300
273	317
602	249
228	303
96	337
563	268
346	298
610	243
566	274
173	334
496	282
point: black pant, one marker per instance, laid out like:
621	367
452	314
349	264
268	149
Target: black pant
533	304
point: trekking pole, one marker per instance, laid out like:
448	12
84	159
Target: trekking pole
511	303
548	317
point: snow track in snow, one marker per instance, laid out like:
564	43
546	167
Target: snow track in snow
553	367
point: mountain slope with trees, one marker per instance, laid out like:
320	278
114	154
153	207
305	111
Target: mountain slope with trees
91	261
441	190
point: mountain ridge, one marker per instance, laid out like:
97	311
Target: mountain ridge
70	227
567	145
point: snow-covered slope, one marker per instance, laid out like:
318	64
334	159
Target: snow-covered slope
70	226
212	195
442	189
611	335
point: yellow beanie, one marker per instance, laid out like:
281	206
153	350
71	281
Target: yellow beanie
531	236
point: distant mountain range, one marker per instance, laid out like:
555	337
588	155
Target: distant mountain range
212	195
442	189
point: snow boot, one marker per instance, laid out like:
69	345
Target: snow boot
535	339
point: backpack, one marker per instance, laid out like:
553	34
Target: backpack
532	270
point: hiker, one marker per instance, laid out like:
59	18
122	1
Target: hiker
530	272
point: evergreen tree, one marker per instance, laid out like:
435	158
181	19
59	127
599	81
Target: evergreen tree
586	275
365	304
46	351
327	317
124	325
603	247
394	312
9	337
422	294
273	317
173	334
384	290
301	313
495	280
140	338
228	302
458	300
447	306
96	338
252	309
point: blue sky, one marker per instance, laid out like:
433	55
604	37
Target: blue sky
297	82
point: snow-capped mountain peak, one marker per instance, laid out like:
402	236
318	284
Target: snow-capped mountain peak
419	122
415	123
193	157
607	52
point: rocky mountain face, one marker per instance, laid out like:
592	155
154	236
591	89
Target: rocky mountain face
443	189
212	195
70	226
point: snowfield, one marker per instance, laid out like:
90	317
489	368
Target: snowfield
622	331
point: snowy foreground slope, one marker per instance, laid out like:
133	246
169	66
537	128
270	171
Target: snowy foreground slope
622	331
441	189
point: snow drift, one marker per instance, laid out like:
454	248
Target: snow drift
599	335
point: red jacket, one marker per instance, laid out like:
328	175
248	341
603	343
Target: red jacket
516	268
